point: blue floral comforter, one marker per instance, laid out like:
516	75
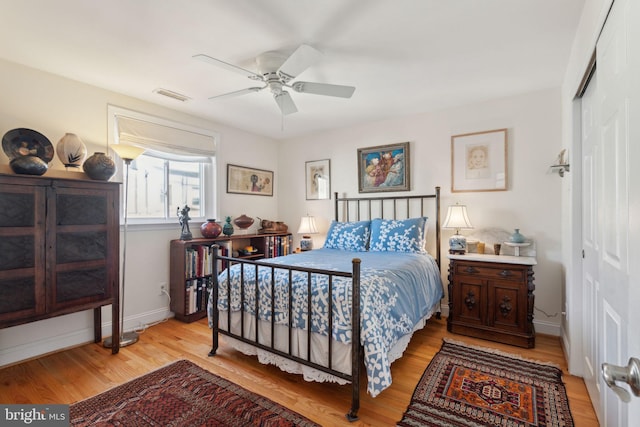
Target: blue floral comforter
397	291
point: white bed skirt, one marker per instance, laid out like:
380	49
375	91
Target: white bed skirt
319	347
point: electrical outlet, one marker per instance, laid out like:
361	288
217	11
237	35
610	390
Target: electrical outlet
163	288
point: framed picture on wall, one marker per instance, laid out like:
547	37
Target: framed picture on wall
384	168
479	161
318	179
245	180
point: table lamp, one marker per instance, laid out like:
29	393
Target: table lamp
307	227
457	219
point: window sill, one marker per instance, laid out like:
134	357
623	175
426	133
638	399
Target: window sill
158	224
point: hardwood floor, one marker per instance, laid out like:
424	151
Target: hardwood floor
75	374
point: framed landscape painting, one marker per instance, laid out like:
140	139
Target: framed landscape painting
384	168
479	161
245	180
318	179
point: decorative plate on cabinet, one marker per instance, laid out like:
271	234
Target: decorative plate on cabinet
27	142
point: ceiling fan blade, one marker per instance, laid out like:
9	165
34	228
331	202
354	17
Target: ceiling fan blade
324	89
301	59
237	93
285	102
227	66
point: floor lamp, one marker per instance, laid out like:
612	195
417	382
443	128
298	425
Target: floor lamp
127	153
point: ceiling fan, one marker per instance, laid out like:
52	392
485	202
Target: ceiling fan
277	71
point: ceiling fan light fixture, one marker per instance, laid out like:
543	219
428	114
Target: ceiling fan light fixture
275	87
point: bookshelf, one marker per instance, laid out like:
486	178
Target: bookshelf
190	267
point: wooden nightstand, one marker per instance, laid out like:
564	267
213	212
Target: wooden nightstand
491	297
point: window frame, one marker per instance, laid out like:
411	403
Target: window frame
208	178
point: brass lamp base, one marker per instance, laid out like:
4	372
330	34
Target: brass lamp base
126	339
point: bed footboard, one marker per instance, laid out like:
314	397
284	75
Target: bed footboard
253	338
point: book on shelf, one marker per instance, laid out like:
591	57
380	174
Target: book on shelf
277	245
197	294
189	296
198	261
225	249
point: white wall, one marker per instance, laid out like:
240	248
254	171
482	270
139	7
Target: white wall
532	202
53	105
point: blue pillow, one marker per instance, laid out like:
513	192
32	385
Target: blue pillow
398	235
348	236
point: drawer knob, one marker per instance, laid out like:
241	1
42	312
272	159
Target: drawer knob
506	273
470	270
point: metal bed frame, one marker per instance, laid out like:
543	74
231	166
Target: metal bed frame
354	209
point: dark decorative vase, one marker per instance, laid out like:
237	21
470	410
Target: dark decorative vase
243	221
516	237
227	229
210	229
99	166
29	165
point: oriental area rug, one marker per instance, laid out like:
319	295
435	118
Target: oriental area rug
470	386
182	394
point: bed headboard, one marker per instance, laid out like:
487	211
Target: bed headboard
393	207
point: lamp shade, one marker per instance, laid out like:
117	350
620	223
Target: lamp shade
126	151
307	225
457	218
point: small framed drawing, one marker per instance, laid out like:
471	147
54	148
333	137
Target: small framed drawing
244	180
318	179
479	161
384	168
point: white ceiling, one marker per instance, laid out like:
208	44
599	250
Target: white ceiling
403	56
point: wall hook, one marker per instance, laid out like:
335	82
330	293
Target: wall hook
561	169
561	164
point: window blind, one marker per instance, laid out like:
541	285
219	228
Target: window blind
164	138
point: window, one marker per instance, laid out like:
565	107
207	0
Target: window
176	169
157	187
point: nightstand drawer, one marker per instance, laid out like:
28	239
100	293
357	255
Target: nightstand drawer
468	269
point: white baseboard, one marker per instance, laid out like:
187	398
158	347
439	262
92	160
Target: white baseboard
19	353
139	321
547	328
12	354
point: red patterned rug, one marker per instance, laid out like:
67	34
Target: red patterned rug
469	386
182	394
